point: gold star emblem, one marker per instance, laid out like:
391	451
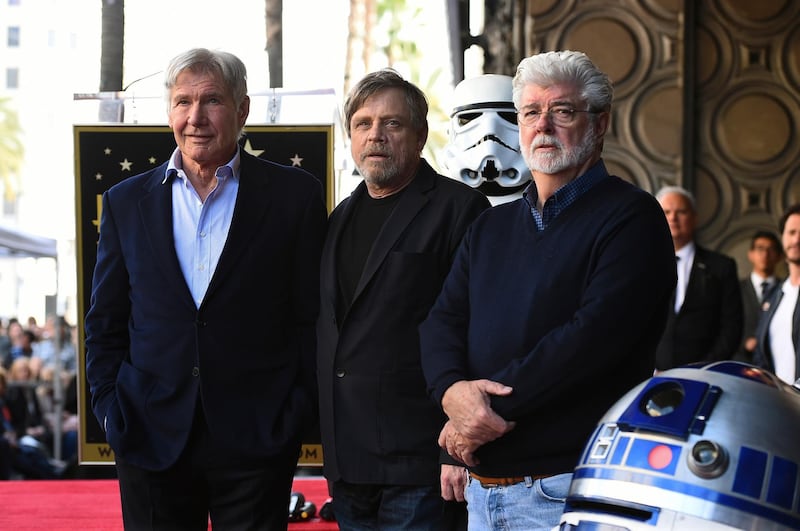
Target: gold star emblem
249	148
126	164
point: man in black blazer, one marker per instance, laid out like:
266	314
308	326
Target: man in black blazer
764	255
388	250
200	334
706	321
778	330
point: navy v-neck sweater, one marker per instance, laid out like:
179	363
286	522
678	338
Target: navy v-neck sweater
569	317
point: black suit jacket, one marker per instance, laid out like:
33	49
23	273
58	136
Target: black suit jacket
246	355
751	310
708	326
378	424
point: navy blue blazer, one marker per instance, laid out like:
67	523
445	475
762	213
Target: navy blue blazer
762	357
246	356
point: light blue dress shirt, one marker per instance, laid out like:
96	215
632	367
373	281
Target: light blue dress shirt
201	228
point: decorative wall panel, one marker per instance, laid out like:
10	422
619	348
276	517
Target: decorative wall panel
707	96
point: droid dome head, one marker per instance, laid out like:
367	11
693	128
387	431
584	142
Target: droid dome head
709	446
483	148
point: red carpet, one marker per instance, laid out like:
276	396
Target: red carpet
93	505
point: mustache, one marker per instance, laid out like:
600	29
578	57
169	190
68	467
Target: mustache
546	140
381	152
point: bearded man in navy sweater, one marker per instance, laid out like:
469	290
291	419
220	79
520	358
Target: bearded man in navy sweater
553	307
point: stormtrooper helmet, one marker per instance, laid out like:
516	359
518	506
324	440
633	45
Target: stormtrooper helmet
483	148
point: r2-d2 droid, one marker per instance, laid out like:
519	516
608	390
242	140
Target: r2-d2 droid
483	149
707	447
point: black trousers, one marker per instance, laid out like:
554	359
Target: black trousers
206	482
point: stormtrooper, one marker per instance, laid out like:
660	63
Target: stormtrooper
483	147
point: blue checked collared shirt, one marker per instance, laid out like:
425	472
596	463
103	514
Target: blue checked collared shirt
564	196
201	228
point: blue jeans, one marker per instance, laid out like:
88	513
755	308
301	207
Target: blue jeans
393	508
534	505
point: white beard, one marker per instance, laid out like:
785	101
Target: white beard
553	162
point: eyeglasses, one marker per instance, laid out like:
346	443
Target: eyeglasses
559	115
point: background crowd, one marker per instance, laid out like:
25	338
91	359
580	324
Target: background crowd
33	356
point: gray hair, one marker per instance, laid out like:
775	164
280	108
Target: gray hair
565	67
383	79
223	64
677	190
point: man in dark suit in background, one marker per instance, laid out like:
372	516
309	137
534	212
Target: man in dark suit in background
764	255
388	250
200	332
706	321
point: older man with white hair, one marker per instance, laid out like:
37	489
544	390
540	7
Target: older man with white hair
553	306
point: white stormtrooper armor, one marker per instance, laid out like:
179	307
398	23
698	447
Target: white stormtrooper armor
483	150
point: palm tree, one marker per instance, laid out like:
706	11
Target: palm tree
352	28
360	24
11	151
112	40
396	15
274	22
112	45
